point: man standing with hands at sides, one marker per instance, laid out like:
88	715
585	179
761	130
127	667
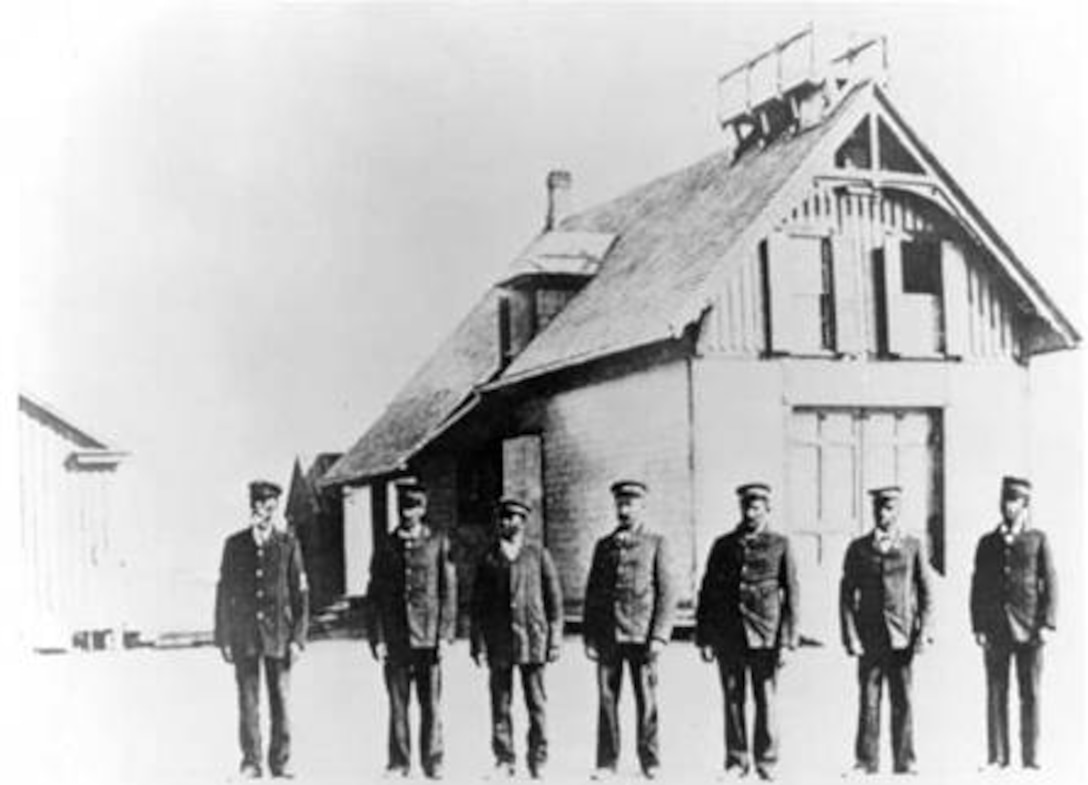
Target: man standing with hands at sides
413	594
261	615
629	606
884	609
1013	600
746	615
517	621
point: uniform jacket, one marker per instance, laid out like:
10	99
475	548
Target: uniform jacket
630	592
517	606
885	599
261	600
413	592
1013	589
749	595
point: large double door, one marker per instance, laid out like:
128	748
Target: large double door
834	456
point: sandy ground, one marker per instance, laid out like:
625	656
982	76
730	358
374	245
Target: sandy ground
148	716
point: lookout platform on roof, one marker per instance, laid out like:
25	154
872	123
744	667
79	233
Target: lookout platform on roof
793	85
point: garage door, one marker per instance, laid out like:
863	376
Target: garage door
834	457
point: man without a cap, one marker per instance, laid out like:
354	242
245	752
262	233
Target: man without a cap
261	616
413	591
630	603
885	602
746	616
1013	609
516	625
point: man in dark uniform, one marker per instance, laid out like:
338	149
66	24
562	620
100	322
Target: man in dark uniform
884	609
413	612
746	615
517	620
629	606
1013	600
261	615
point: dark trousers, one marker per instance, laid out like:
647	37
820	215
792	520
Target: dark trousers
761	667
247	674
1029	666
644	681
894	666
502	729
423	667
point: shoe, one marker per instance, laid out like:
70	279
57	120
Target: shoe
395	772
733	772
910	770
434	772
503	770
249	772
536	771
860	770
765	773
284	773
993	767
651	772
603	774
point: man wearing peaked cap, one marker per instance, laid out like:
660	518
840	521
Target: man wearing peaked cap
413	595
517	623
745	616
1013	604
261	615
629	488
630	602
885	601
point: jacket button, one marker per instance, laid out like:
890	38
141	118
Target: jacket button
260	616
259	572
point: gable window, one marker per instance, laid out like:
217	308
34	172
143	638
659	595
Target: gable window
922	267
856	151
924	297
549	302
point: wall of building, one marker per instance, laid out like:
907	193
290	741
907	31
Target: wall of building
632	423
742	410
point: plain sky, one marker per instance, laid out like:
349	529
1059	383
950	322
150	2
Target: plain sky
244	226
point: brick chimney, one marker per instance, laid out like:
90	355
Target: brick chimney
559	183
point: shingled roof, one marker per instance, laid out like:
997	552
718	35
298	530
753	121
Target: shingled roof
672	234
467	358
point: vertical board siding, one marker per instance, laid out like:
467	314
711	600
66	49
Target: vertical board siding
70	570
993	331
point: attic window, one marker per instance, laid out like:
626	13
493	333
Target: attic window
894	156
922	267
856	151
549	302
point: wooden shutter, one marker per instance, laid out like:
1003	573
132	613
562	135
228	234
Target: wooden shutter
849	332
523	478
794	270
955	304
779	291
897	329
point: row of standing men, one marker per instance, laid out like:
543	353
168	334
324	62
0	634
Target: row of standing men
746	621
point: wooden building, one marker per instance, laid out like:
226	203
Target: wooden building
819	305
68	532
